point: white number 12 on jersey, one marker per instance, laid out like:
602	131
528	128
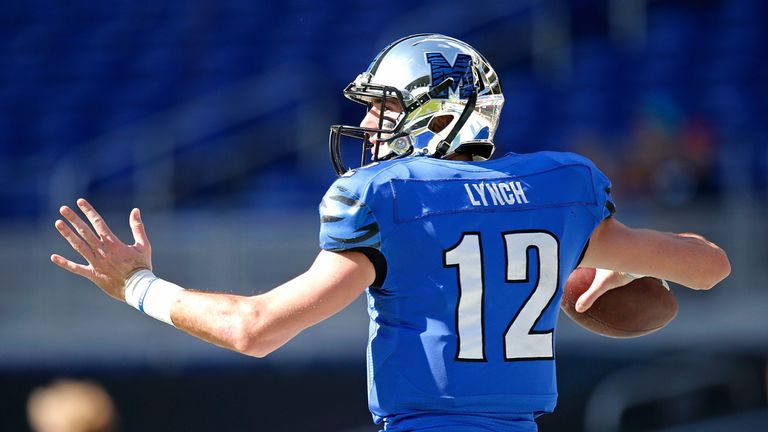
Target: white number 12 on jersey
521	342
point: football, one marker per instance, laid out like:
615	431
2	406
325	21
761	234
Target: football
636	309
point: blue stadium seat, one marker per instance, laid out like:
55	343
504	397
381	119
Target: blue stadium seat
70	74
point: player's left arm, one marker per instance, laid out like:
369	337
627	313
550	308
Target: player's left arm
621	254
686	258
255	325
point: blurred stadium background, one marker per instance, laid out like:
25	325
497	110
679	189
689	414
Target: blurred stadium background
212	116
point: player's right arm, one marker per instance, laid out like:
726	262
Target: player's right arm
258	325
255	325
687	259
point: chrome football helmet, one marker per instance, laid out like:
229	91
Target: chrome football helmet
448	96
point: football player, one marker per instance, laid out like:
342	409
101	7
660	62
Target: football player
462	257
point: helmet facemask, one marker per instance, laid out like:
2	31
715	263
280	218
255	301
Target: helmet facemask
390	141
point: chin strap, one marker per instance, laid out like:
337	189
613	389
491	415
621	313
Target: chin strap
444	145
420	101
426	97
393	155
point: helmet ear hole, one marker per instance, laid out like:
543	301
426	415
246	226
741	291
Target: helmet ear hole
440	122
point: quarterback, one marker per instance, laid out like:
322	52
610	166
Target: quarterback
462	257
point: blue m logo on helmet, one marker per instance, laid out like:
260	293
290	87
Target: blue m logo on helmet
460	71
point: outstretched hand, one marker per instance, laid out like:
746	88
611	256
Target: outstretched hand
605	280
110	261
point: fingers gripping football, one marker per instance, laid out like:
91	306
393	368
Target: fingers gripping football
110	261
636	308
605	280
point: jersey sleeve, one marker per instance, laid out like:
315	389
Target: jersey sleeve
606	206
346	222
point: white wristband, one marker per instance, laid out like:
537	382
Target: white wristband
151	295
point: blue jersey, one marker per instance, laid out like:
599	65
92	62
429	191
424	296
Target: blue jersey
471	258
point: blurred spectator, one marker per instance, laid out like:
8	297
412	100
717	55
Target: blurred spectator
71	406
669	157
